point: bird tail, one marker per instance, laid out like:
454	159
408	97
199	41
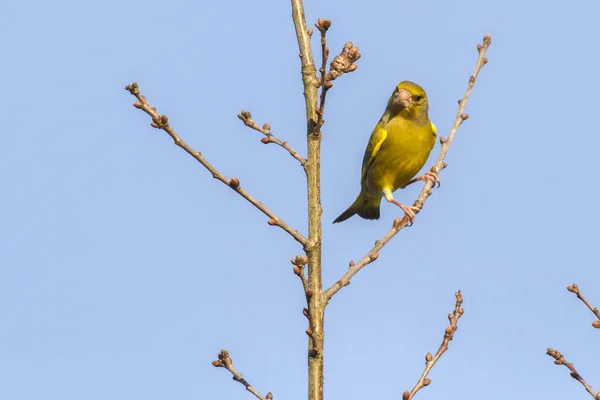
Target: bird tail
365	205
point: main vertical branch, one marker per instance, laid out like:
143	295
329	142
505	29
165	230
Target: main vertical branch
316	307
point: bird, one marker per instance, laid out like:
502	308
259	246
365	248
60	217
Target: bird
398	148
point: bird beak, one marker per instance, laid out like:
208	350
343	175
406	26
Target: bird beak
403	98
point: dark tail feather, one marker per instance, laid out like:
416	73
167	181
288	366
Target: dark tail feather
365	206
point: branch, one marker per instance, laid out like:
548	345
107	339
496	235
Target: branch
246	118
162	122
316	306
559	359
343	63
323	25
575	289
299	264
440	164
431	360
225	361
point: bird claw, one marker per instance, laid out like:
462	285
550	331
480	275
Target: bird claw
408	211
427	176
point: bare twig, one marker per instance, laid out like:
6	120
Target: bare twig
299	264
225	361
246	118
431	360
323	25
440	164
559	359
162	122
575	289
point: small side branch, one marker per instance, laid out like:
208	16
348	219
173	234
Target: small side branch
343	63
431	360
225	361
162	122
440	164
575	289
323	25
299	264
246	118
559	359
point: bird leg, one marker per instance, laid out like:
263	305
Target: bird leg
409	211
427	176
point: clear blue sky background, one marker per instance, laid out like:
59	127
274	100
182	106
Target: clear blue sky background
125	267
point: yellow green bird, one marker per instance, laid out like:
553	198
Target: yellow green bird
398	148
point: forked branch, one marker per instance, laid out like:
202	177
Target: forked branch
440	164
162	122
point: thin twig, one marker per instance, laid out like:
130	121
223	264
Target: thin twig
162	122
225	361
559	359
246	118
323	25
299	267
399	224
431	360
575	289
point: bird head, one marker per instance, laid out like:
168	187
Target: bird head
409	100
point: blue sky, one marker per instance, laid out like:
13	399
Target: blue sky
126	267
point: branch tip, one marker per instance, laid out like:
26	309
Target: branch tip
431	360
246	118
559	359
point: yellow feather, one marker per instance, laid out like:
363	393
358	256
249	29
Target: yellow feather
398	148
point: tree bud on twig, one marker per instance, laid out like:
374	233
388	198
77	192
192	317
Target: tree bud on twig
234	183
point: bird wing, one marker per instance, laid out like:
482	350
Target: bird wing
377	138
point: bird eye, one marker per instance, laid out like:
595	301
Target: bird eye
418	97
